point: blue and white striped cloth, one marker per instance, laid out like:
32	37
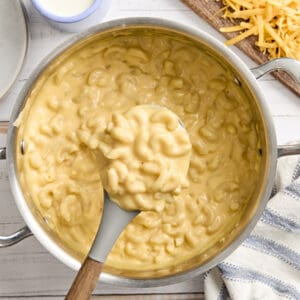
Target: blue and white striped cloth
267	265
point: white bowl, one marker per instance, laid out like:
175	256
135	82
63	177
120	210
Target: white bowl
75	23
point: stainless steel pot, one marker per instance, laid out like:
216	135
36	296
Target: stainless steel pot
244	76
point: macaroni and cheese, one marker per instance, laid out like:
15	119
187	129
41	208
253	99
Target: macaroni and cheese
88	124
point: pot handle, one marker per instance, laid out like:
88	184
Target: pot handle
284	150
14	238
19	235
292	67
289	65
2	153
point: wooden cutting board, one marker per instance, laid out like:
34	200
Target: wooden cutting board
210	10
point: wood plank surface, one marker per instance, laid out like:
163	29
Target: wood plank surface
211	12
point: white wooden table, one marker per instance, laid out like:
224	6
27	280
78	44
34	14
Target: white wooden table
27	270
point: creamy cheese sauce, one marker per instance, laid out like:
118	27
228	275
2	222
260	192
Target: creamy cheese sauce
68	126
66	8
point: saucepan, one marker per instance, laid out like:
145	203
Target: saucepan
270	152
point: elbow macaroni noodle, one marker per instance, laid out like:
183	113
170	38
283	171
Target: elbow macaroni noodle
88	124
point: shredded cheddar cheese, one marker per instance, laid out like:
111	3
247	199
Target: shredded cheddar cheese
276	23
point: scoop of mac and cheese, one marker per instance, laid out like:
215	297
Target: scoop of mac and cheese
147	151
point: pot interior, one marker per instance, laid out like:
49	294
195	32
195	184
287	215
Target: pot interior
231	236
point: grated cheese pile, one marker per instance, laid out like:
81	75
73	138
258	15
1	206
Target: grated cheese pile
275	22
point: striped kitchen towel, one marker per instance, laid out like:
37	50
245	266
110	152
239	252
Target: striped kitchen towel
267	265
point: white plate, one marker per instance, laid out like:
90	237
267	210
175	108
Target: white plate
13	42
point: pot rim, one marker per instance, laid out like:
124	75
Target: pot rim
271	150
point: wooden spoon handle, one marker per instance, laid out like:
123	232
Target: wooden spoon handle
85	281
